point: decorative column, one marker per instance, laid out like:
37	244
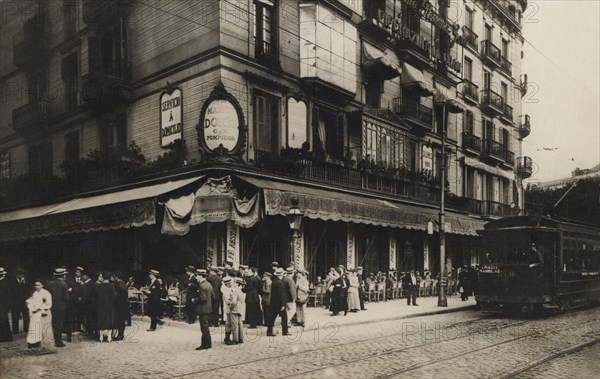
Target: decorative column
393	264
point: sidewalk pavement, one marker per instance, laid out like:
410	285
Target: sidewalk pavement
376	312
316	318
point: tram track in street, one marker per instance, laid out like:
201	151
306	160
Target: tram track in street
331	346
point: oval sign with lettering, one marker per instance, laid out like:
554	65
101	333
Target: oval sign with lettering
221	125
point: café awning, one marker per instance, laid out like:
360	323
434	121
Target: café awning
412	76
116	210
384	62
330	205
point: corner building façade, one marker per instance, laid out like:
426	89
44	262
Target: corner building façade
198	131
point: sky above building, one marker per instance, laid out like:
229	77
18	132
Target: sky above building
562	60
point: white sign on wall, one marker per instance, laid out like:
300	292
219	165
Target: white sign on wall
350	249
233	243
221	125
393	265
427	158
171	117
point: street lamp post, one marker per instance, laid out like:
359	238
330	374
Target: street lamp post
294	218
442	300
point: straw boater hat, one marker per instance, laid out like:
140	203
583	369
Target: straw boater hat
60	272
201	272
243	267
267	273
290	270
274	264
227	280
239	280
279	272
154	272
79	268
2	271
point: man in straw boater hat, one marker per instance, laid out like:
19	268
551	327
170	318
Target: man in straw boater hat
154	293
204	307
277	304
191	291
60	298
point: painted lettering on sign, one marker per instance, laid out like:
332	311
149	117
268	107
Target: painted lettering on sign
351	253
221	125
171	119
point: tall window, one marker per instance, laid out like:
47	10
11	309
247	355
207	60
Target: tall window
374	88
113	134
504	92
108	53
70	76
72	146
505	48
487	79
470	19
40	160
468	69
5	165
469	124
333	124
297	118
488	32
38	89
266	123
264	29
70	17
372	142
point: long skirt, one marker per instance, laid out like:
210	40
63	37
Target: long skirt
353	299
40	330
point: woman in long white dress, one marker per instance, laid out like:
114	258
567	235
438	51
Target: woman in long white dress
40	319
353	299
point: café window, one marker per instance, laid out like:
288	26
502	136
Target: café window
264	29
113	134
297	119
265	123
70	76
72	146
40	160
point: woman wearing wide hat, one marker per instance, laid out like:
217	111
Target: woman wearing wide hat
40	334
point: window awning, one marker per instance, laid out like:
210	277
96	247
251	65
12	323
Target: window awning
332	205
475	163
384	61
446	96
412	76
124	209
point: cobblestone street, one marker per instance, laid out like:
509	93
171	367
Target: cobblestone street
464	344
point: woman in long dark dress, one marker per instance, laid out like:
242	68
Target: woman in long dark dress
122	313
338	295
105	306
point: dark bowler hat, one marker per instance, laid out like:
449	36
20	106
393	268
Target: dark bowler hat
154	272
267	273
202	272
190	268
274	264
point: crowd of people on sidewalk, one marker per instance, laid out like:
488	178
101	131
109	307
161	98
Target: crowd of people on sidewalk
64	305
98	306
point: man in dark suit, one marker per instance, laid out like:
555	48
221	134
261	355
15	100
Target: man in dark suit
89	305
204	302
411	282
20	295
252	288
121	306
361	287
60	299
191	289
154	293
78	299
277	304
5	334
215	282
